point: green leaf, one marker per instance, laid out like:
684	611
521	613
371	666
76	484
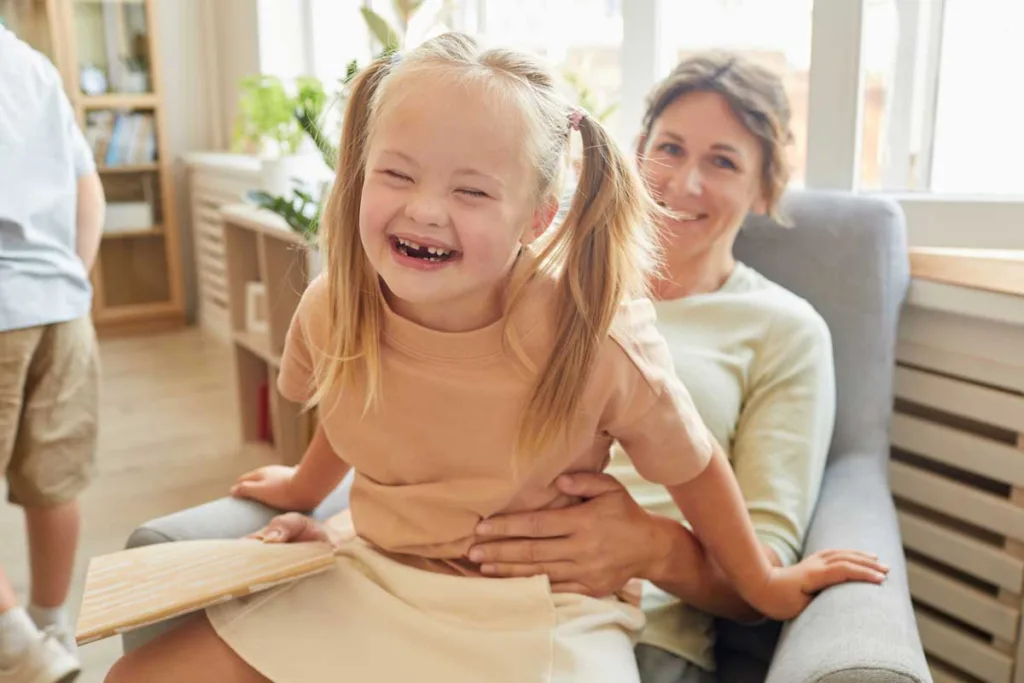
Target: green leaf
405	9
608	111
380	29
350	72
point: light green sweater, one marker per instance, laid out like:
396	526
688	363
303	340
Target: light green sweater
757	360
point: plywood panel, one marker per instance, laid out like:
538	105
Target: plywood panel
961	552
969	654
936	492
982	404
958	448
969	605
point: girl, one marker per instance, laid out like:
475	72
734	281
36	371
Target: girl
461	359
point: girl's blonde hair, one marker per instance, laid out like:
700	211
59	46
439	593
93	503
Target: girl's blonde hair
601	253
757	99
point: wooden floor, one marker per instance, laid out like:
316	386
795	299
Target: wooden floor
169	440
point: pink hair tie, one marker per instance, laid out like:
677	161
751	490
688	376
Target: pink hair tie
575	116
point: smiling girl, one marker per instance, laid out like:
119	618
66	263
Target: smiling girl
462	357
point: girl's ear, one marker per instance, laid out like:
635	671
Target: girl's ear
542	218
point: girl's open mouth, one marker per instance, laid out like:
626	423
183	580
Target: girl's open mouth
418	253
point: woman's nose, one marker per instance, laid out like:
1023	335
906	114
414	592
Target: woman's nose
687	180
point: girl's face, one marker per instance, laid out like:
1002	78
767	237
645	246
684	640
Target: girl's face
702	163
447	202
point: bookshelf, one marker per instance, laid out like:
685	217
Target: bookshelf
261	249
108	57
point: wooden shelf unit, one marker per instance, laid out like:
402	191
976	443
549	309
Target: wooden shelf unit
137	278
259	247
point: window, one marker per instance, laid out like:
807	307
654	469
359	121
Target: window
939	113
775	34
339	35
580	39
910	96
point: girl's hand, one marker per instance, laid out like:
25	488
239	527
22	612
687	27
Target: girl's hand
272	485
791	589
293	527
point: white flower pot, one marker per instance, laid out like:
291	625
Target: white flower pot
135	82
314	262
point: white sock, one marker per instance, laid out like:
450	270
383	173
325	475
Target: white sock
54	616
17	633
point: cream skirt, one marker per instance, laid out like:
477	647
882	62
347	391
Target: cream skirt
373	619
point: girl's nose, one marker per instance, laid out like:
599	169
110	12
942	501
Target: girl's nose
426	209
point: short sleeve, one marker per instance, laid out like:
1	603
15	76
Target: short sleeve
651	414
296	380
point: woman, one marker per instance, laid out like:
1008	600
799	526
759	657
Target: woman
756	358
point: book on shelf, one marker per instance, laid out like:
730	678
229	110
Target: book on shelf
119	138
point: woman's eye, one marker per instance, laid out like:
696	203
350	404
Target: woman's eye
396	175
671	149
470	192
726	163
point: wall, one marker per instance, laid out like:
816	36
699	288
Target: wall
205	47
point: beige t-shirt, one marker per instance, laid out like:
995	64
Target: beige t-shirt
435	456
757	360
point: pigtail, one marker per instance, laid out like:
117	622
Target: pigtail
355	299
607	249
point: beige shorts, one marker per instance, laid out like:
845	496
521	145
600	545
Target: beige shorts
373	619
49	384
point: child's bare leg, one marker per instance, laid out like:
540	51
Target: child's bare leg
8	600
52	541
192	652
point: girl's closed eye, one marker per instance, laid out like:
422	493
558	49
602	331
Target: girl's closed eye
397	175
472	192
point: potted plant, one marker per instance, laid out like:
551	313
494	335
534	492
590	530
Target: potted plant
267	126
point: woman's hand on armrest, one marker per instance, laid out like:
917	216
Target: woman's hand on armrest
300	488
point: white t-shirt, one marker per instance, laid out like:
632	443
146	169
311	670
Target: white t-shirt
42	155
757	361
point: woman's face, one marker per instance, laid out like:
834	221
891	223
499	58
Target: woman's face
703	164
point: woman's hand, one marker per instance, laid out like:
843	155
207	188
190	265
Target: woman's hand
272	485
293	527
791	589
593	548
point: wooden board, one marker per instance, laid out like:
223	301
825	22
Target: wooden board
133	588
996	270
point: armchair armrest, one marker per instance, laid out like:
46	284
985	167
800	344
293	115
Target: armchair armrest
855	633
223	518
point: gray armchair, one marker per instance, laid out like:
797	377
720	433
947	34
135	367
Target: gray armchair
846	255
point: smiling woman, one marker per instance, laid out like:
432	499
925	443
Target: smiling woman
756	359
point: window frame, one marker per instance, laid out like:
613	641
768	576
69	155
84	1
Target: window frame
835	112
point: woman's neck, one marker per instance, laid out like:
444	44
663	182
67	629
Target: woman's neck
700	274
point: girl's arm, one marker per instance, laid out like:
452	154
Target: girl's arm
714	506
300	488
684	569
320	470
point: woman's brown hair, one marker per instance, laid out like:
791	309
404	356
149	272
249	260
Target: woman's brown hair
756	97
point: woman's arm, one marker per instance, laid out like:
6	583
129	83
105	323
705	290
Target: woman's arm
597	546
